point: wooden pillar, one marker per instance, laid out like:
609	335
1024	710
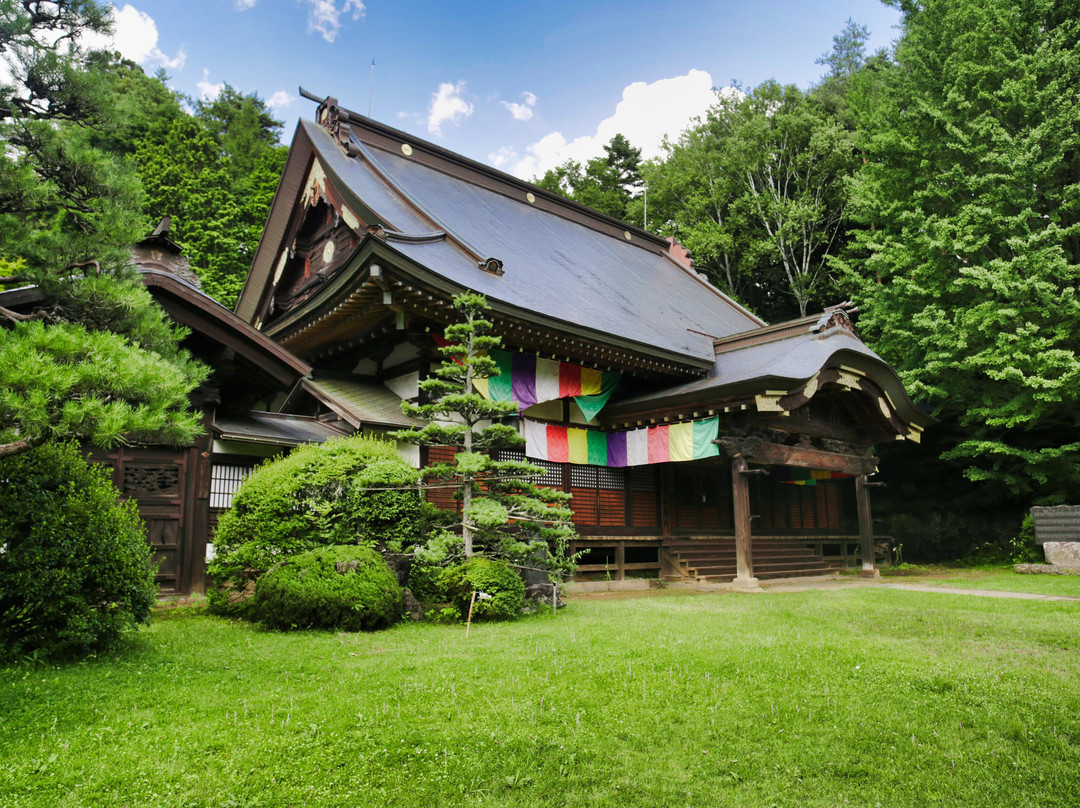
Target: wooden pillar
866	529
744	562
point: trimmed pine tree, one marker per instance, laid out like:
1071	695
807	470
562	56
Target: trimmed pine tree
503	514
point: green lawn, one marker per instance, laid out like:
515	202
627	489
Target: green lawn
857	696
994	578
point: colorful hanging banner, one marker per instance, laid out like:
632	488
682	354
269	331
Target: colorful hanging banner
666	443
799	476
528	380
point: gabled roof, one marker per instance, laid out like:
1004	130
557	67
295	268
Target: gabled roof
206	317
360	403
781	362
543	254
273	428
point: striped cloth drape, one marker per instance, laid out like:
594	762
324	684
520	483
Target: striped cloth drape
529	380
665	443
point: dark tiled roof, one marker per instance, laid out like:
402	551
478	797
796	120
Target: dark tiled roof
552	265
273	428
784	360
360	403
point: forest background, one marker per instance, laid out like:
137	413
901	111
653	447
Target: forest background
935	185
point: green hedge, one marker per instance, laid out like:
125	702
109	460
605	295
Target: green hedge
318	495
75	568
349	587
495	578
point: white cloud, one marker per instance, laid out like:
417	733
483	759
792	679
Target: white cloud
280	100
502	157
135	35
244	5
447	106
646	113
523	111
324	16
208	91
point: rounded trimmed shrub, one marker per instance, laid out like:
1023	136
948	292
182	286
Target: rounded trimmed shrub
347	587
425	581
495	578
75	567
317	495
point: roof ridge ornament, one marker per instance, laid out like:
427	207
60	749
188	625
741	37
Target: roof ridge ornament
334	120
837	316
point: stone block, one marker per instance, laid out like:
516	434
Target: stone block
1062	553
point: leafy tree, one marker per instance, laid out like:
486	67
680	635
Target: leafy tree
968	265
756	191
94	357
606	184
698	194
215	174
493	492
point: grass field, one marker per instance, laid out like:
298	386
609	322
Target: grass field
988	577
862	697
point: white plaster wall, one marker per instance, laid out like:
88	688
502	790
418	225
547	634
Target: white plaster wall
546	410
405	386
366	367
237	447
403	352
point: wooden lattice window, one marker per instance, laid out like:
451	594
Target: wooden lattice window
151	480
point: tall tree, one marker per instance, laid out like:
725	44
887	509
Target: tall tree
215	173
94	357
493	492
756	190
62	200
846	59
607	184
969	262
242	125
698	197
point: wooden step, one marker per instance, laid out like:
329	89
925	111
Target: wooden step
714	559
792	552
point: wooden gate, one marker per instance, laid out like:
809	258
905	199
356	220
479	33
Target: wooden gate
164	485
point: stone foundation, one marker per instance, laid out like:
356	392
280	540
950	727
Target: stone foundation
1047	569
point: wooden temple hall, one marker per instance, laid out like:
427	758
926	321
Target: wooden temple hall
697	440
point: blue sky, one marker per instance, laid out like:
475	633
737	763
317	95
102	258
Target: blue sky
522	86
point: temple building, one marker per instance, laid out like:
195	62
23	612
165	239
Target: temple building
697	440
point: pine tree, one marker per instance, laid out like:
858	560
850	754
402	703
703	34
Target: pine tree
94	357
494	493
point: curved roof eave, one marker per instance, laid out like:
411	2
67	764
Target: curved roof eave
715	386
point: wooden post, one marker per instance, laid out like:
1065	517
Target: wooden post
744	562
468	621
866	529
